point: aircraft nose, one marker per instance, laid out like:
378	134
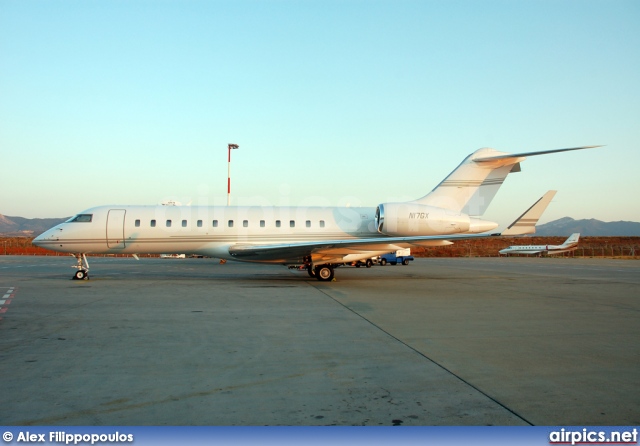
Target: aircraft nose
39	239
49	235
36	241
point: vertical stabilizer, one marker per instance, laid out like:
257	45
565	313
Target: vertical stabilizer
472	185
481	198
572	240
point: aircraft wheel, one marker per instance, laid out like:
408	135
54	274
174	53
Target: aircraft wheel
324	273
369	263
383	262
310	271
358	265
80	275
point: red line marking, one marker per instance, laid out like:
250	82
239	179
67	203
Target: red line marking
3	310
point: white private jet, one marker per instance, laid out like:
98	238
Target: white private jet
315	238
570	244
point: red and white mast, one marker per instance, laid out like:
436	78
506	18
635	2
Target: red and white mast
230	146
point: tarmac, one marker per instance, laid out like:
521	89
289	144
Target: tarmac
460	341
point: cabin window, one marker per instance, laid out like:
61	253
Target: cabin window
184	223
322	223
215	223
245	223
231	223
199	223
292	223
308	223
81	218
262	223
277	223
137	223
168	223
153	223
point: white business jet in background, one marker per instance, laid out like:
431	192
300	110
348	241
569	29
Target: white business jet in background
316	238
570	244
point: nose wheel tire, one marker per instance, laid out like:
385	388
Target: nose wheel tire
81	274
324	273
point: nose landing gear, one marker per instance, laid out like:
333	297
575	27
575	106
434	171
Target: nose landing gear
82	272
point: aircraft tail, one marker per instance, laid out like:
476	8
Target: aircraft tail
572	240
526	223
471	187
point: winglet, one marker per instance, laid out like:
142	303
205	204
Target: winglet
526	223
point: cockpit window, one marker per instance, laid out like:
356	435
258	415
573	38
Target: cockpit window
81	218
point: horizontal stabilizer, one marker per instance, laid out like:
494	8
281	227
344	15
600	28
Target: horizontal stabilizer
526	223
520	155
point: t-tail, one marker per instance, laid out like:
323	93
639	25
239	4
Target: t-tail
471	187
456	204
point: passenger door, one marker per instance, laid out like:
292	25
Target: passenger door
115	228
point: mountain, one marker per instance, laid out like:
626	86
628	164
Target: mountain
589	228
27	227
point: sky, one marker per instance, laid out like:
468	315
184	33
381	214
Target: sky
332	102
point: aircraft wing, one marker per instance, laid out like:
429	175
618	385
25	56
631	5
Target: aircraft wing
294	252
526	223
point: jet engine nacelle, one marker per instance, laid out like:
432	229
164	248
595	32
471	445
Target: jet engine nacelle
411	219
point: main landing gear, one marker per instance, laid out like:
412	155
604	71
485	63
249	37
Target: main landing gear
324	273
82	266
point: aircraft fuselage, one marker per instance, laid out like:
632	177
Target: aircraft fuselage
203	230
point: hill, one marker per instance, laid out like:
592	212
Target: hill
591	227
27	227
